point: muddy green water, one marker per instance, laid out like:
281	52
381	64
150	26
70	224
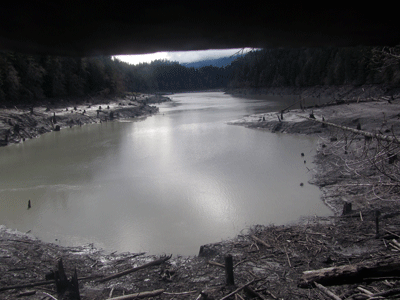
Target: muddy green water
166	184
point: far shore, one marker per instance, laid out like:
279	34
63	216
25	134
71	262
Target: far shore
20	123
331	91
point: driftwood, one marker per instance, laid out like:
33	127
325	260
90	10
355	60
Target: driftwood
216	264
260	241
327	292
386	293
351	273
180	293
378	136
139	295
237	290
131	270
28	293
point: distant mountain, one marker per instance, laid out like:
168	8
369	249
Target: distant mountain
217	62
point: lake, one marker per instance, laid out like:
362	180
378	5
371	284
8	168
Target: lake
165	184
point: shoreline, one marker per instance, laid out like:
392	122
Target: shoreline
284	252
336	92
372	116
18	124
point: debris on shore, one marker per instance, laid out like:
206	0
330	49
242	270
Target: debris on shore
269	262
354	254
20	123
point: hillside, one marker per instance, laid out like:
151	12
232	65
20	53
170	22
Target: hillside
217	62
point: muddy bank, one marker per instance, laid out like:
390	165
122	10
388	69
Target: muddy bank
20	123
272	259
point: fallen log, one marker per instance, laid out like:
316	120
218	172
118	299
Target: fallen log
351	273
139	295
40	283
131	270
378	136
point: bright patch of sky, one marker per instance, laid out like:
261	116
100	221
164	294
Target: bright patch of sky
179	56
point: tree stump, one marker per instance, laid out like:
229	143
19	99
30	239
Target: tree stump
229	270
347	208
16	128
66	289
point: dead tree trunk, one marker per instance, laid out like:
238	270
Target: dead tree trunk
66	289
229	270
352	273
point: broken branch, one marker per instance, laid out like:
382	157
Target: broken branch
260	241
131	270
327	292
237	290
216	264
139	295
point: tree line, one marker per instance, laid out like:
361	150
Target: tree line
317	66
31	78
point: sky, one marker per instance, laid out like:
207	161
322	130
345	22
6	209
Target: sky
179	56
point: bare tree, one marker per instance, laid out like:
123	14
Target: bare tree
385	57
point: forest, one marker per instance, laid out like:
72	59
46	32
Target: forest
29	79
317	66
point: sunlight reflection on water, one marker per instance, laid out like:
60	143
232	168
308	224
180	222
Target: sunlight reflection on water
168	184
